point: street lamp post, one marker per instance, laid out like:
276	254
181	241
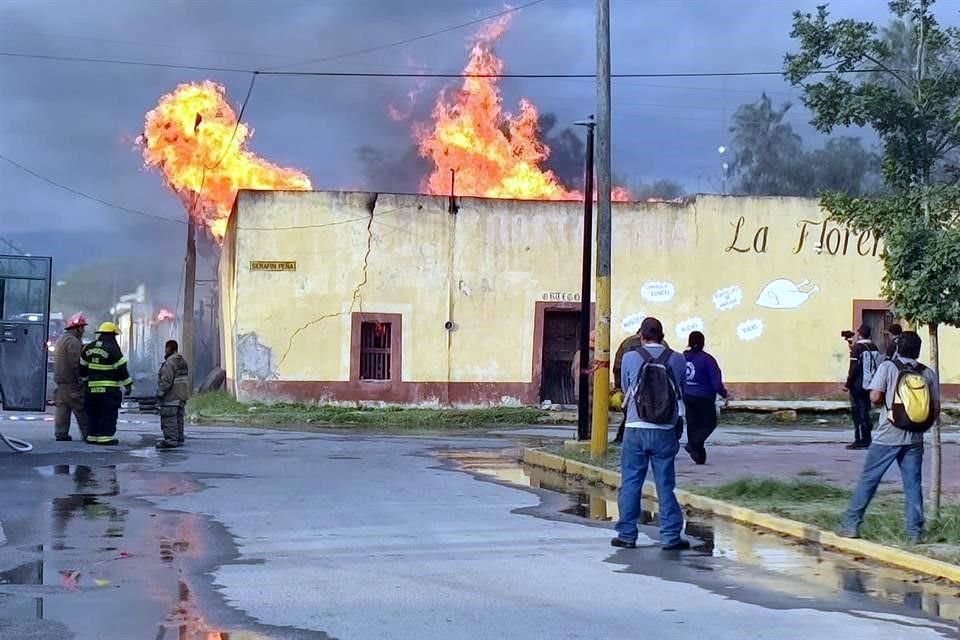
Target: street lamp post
583	397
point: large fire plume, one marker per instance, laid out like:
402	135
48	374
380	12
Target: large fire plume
192	136
491	153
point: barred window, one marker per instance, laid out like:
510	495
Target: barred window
375	350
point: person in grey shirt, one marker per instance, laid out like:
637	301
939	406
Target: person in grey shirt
647	444
892	444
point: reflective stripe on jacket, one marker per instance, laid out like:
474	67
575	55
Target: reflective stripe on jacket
104	366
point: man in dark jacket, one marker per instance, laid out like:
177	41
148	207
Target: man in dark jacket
173	391
862	350
66	374
105	368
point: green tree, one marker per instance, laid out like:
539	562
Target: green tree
769	158
904	82
767	151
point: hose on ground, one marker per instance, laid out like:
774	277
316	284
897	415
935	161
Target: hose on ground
18	445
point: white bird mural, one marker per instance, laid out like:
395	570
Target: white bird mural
785	294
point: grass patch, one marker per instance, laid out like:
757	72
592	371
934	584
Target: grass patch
220	407
760	490
823	504
610	461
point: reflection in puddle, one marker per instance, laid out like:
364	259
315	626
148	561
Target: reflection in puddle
27	573
812	565
186	623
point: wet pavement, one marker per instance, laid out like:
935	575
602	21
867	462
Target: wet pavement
252	534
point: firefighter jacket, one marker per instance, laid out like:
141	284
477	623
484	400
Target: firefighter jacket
104	366
66	359
173	387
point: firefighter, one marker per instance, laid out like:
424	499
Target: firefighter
66	374
105	368
173	390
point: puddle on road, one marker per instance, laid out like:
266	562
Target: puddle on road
814	566
110	547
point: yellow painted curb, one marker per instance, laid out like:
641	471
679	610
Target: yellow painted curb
544	459
800	530
576	445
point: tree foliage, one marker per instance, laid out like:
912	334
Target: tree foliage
921	258
769	158
904	82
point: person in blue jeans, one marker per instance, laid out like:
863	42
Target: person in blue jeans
891	444
653	445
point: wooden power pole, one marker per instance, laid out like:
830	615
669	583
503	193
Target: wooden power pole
601	376
189	297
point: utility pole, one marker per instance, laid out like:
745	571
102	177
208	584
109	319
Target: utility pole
601	376
189	294
583	397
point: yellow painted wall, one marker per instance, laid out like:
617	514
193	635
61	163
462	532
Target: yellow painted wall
485	268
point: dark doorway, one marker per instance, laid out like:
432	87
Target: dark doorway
879	321
561	332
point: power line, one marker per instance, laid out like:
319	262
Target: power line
243	108
135	63
361	74
88	196
398	43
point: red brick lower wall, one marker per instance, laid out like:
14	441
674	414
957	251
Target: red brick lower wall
492	393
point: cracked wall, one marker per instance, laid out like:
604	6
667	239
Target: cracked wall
485	268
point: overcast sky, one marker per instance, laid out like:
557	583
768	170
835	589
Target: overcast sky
76	122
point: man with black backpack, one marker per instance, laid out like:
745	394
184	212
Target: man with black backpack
652	377
865	357
909	396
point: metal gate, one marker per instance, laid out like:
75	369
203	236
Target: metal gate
24	326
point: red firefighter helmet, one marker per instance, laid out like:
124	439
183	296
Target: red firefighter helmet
76	320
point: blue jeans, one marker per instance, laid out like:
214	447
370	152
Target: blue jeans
656	448
879	459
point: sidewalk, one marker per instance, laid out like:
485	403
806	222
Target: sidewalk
785	452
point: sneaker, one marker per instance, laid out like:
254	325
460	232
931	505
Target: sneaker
917	539
679	545
110	443
163	444
848	533
623	544
64	438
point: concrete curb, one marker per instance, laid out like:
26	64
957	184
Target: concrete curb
785	526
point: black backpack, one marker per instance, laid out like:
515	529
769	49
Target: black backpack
656	394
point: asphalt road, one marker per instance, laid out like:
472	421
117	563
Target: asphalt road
284	535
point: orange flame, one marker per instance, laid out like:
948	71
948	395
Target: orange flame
192	136
492	153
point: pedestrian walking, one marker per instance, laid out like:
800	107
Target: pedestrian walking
704	382
105	367
653	375
173	391
908	393
69	394
865	358
628	344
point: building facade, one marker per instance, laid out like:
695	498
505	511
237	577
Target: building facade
357	297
